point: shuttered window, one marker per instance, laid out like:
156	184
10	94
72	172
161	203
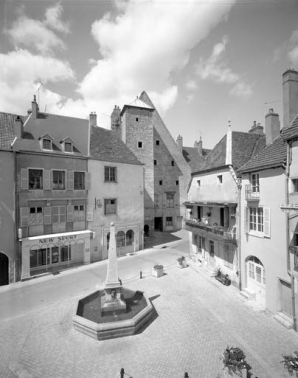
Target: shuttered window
35	179
24	216
59	214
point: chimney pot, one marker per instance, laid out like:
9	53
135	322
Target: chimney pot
290	96
92	119
18	127
272	126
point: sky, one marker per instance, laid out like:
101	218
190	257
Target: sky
203	63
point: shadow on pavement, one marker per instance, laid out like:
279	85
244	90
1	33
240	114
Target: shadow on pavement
159	238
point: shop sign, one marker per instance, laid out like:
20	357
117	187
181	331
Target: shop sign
58	239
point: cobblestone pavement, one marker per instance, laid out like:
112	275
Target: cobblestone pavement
196	318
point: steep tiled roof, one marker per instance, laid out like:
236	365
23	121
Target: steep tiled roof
244	146
193	158
273	155
7	134
107	146
292	131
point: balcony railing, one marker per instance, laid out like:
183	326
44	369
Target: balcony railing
252	193
227	234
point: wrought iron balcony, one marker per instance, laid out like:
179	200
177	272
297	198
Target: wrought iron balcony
252	193
202	229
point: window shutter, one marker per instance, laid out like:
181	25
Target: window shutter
69	213
246	220
89	213
47	218
267	222
24	213
24	178
46	179
87	180
70	180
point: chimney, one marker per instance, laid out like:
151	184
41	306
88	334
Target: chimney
256	129
199	146
18	127
116	121
92	119
179	142
34	108
290	96
272	126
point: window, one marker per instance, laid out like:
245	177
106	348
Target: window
35	178
140	144
177	182
59	214
169	221
39	257
47	144
294	185
65	253
59	180
256	271
172	163
160	182
219	179
198	183
110	174
36	216
79	180
211	246
137	119
78	213
228	256
255	182
55	255
256	219
155	162
110	206
120	239
157	142
68	147
170	199
129	237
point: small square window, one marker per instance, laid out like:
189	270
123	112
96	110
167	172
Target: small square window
157	142
172	163
155	162
160	182
76	208
219	179
140	144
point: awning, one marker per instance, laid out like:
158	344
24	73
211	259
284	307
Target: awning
61	236
190	204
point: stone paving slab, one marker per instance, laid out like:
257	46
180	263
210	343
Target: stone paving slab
197	318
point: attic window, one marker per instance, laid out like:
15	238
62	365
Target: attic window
219	179
140	144
47	144
68	147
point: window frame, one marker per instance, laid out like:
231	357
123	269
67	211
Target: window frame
54	172
169	221
108	175
170	200
76	173
140	144
108	205
255	182
30	170
71	147
50	144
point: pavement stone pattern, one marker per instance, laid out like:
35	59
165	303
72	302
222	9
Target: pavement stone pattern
196	318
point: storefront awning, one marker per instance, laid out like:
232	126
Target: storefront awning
61	236
190	204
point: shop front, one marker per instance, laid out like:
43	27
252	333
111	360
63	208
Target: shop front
44	253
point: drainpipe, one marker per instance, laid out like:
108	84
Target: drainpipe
18	256
239	186
288	241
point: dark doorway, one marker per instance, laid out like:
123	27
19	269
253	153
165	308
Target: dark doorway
3	269
158	223
146	231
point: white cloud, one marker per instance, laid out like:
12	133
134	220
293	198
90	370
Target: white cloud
191	85
215	68
143	46
53	19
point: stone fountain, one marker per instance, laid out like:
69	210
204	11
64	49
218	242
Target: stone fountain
113	311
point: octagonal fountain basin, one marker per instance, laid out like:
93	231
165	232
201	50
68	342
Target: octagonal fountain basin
92	321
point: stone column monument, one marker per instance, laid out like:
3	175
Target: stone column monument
112	300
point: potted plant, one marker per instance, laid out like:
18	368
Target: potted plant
181	262
234	361
157	270
291	363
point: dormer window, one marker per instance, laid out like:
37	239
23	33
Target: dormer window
46	144
68	147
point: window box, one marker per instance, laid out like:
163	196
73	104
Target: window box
157	271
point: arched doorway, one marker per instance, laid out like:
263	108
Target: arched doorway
256	279
4	276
